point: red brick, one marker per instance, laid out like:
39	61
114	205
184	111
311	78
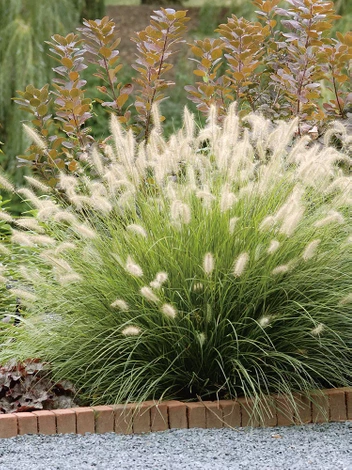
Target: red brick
337	404
85	420
196	415
349	403
65	421
8	425
27	423
104	419
231	411
124	418
159	417
213	414
177	414
248	415
141	418
285	411
303	414
320	407
46	422
269	413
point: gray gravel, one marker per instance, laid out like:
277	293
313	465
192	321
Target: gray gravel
325	446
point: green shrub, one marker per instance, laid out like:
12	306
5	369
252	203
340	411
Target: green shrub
215	264
283	65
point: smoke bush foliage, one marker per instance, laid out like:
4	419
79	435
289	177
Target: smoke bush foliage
215	264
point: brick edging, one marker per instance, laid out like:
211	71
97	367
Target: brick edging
326	405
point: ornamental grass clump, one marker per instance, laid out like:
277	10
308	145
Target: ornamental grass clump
213	265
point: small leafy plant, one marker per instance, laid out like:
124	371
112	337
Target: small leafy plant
26	387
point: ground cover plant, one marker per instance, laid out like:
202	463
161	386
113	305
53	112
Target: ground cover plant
215	264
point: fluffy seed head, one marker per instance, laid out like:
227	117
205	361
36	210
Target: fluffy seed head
35	137
274	246
37	184
232	224
84	231
310	250
169	310
161	277
133	268
332	217
5	216
5	183
70	278
240	264
137	229
264	321
120	304
267	223
148	294
180	212
208	264
23	294
282	269
318	329
346	300
131	331
30	224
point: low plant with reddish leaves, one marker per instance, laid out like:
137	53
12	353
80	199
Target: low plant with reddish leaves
26	386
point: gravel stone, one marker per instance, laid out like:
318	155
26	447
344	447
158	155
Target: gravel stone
310	447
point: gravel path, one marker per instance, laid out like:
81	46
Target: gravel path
325	447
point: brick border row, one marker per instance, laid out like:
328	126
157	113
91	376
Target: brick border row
327	405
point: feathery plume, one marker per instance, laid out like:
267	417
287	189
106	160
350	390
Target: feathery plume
346	300
69	278
188	120
332	217
35	137
264	321
161	277
84	231
21	238
240	264
23	294
208	264
65	246
5	183
30	196
120	304
201	338
169	310
227	200
131	331
64	216
291	222
318	329
133	268
43	240
38	184
97	161
148	294
310	250
4	250
232	224
267	223
30	224
274	246
180	212
137	229
5	216
282	269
